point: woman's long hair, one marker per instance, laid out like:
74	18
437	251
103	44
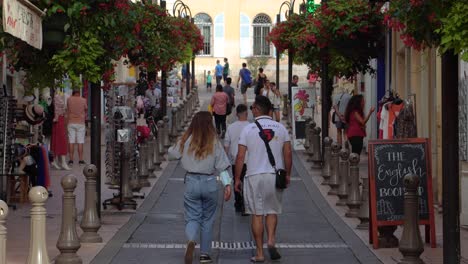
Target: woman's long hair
354	104
203	135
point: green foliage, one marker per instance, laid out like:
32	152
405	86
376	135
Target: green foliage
454	30
255	62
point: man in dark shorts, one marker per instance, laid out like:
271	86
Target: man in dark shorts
246	76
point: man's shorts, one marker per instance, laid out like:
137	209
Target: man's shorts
261	197
76	133
340	125
244	88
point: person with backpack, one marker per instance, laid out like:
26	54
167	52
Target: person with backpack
246	77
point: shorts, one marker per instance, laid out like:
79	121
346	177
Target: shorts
244	87
261	197
276	109
76	133
208	85
341	125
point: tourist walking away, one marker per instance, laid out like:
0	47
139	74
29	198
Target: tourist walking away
260	80
231	95
201	155
219	102
76	116
218	72
246	76
231	142
261	197
356	121
340	102
276	101
225	70
209	79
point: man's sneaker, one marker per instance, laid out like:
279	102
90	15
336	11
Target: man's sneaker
205	258
81	162
70	162
189	252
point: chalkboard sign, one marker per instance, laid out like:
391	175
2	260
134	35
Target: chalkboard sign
389	162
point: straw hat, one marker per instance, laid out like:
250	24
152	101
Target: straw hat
34	114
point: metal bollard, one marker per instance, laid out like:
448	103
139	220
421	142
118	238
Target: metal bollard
311	133
125	171
343	172
354	196
317	148
334	166
142	166
159	138
285	107
90	223
37	244
197	98
411	245
166	139
3	231
180	118
149	157
187	113
68	242
174	134
326	160
156	158
363	214
307	137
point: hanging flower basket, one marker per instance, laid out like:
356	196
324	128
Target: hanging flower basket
54	30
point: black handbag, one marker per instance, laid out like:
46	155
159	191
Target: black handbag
280	182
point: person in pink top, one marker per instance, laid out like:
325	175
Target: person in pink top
76	116
219	102
356	121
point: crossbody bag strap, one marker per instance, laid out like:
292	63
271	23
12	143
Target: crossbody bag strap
270	154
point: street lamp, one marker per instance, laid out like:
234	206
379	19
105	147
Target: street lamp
182	10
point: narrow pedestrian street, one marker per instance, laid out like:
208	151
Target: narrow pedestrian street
309	231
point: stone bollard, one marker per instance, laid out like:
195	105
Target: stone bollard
188	111
197	99
37	243
285	107
334	166
317	148
156	158
125	172
3	231
143	166
90	223
363	214
343	172
311	133
411	245
354	196
159	138
174	134
150	156
68	242
326	160
166	139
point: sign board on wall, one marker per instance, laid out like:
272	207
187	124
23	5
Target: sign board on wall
302	106
389	162
23	22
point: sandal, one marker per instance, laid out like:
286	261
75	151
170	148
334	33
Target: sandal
256	260
274	254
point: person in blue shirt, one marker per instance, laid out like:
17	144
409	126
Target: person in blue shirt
218	72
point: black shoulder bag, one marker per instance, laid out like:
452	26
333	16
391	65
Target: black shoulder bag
280	173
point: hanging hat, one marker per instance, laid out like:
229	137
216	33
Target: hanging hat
34	114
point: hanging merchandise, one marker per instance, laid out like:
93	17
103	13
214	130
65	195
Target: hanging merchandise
390	108
405	123
463	117
34	114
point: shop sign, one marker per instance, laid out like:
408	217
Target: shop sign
302	107
22	21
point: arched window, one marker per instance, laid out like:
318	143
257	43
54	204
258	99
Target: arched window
261	27
205	23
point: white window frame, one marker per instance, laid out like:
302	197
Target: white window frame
261	24
202	24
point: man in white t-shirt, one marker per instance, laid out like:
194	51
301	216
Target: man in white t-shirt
261	197
231	142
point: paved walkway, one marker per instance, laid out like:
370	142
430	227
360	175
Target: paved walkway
308	229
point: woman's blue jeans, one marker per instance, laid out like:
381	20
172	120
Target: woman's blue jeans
200	202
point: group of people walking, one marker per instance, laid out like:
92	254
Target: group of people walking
203	154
